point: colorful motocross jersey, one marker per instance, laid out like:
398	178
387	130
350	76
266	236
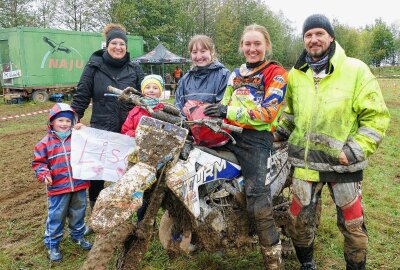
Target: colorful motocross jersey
254	96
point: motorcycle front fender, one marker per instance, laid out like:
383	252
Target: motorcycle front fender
118	202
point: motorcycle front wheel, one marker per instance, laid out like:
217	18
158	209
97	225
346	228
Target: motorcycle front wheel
173	238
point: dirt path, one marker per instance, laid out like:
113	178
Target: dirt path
23	200
22	204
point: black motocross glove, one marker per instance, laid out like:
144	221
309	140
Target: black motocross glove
217	110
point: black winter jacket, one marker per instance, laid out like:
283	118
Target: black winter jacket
108	112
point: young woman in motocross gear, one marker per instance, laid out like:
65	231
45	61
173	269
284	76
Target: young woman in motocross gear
253	100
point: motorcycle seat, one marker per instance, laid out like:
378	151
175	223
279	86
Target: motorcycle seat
222	153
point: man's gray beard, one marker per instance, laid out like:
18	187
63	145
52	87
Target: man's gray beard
317	55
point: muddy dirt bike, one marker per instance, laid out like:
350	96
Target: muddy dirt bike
200	189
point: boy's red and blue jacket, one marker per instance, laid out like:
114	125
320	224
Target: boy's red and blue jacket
52	157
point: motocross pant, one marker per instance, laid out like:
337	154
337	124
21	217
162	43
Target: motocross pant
252	150
350	219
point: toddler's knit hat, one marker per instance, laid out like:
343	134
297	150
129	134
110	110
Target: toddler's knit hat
153	78
318	21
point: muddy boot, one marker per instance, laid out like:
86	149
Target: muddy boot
287	246
308	266
272	257
305	256
350	265
89	230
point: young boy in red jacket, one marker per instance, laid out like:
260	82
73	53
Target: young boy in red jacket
152	87
66	195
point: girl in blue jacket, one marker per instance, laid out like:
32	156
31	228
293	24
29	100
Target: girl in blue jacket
207	79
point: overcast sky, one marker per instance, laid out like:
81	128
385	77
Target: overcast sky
355	13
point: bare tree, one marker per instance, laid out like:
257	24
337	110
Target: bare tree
45	12
83	15
395	58
17	13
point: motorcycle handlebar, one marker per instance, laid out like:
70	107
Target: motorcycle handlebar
232	127
215	124
114	90
129	91
170	113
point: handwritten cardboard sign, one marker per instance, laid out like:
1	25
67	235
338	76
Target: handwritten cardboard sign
99	155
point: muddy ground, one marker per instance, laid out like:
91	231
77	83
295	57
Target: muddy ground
23	206
23	201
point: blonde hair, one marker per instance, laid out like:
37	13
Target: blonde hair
261	29
205	42
112	26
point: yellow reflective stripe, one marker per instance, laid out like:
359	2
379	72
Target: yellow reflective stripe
306	174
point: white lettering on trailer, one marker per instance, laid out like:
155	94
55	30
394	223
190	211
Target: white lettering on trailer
11	74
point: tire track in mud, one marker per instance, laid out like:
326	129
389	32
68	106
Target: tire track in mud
22	216
23	201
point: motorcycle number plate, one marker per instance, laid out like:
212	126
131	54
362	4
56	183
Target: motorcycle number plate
158	141
152	123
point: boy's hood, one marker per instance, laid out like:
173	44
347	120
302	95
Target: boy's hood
60	107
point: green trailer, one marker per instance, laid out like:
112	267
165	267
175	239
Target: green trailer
36	63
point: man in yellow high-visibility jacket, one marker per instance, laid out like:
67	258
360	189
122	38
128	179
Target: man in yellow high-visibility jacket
335	118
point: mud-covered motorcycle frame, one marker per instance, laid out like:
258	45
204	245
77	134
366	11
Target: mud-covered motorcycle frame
133	240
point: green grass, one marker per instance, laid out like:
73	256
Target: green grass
387	72
381	200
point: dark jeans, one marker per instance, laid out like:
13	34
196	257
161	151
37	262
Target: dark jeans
95	187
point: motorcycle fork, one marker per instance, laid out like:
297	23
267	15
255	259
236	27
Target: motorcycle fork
139	243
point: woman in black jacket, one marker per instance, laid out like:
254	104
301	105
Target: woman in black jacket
109	66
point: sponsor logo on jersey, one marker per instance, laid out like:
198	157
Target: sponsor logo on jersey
279	79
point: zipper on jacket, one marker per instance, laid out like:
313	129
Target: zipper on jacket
68	166
311	121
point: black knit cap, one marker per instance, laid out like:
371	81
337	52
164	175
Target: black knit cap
116	33
318	21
